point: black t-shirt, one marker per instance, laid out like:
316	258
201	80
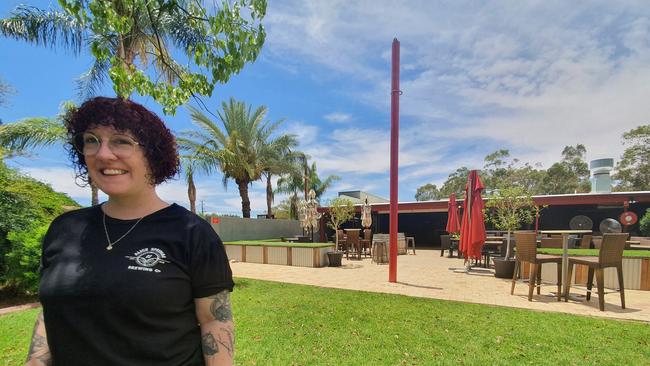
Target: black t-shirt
134	304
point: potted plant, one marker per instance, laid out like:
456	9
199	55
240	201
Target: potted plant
341	210
508	209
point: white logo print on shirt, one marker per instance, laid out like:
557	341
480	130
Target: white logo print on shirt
147	258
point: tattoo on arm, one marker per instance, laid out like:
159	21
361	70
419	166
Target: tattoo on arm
38	349
220	307
209	344
218	337
229	342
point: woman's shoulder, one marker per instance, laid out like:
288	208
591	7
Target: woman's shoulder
77	214
180	214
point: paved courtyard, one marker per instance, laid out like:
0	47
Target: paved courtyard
426	274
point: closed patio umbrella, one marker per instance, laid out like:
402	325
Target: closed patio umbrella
472	232
366	216
453	224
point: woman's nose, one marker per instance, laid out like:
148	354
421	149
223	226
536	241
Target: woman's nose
105	152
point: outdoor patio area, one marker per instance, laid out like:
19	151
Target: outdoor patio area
427	274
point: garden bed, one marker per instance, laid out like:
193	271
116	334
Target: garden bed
281	253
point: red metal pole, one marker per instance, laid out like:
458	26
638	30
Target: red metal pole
394	150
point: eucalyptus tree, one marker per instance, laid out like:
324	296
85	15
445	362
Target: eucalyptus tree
18	138
126	37
237	147
633	169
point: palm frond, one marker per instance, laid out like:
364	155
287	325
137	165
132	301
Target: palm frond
89	83
30	133
49	28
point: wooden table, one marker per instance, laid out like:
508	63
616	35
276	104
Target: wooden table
565	253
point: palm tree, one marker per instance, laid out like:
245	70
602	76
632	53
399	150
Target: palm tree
188	165
292	183
238	148
303	178
277	159
31	133
317	184
192	164
145	40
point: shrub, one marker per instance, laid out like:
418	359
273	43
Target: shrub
27	207
24	258
644	224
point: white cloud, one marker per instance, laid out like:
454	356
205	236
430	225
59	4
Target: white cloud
305	133
338	117
61	179
531	77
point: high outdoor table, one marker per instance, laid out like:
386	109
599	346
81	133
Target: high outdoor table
565	253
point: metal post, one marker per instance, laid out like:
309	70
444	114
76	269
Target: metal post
394	166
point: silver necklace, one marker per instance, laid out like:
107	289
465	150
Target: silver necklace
108	239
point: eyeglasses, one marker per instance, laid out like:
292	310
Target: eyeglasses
121	146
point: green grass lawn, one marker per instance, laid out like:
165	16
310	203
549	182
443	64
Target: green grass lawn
594	252
282	324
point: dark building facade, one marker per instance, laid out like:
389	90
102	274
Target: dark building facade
426	220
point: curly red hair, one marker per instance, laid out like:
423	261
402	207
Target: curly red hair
157	141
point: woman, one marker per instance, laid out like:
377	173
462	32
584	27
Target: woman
135	280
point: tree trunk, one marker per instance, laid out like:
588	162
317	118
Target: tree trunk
307	183
293	206
245	201
94	194
508	246
269	197
191	193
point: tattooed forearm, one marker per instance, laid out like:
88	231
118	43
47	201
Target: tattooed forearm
223	341
226	340
214	314
220	306
39	352
209	344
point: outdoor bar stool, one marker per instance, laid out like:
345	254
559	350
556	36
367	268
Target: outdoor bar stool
410	243
610	255
445	244
527	252
366	242
354	243
380	251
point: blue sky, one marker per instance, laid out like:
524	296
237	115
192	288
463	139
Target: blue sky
531	77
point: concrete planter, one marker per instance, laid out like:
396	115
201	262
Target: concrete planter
279	255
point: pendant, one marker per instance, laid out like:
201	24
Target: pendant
109	247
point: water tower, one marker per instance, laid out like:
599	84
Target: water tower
601	182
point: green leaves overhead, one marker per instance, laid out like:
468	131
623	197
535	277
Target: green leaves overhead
129	38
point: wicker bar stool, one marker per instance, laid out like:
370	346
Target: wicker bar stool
610	255
527	252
